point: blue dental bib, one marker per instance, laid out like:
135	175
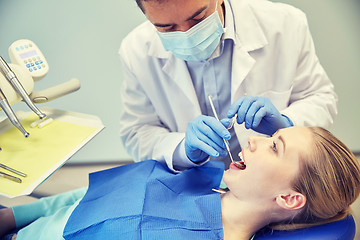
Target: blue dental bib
146	200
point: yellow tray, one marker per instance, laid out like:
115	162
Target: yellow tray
45	150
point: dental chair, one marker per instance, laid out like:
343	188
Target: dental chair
340	230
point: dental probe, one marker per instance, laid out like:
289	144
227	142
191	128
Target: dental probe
226	142
4	104
12	170
11	77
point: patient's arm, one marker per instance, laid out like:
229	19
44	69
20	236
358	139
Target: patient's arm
7	221
27	213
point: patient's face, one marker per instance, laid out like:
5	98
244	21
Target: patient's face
271	164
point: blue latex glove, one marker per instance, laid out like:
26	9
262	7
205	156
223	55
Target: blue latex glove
204	136
259	114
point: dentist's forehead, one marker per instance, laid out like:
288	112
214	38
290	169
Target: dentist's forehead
174	9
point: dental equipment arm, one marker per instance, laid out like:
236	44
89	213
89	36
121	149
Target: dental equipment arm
11	77
55	92
4	104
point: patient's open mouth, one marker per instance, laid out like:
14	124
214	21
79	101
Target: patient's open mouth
241	164
238	164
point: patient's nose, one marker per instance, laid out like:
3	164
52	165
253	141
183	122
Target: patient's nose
252	143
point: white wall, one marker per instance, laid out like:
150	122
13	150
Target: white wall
335	27
80	38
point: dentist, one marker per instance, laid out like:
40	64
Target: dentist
255	58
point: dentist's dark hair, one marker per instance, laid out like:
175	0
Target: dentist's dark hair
140	5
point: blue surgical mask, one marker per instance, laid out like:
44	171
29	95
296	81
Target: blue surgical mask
197	43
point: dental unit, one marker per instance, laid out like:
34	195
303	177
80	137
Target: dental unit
11	77
27	66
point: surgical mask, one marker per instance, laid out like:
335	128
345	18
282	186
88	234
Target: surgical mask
197	43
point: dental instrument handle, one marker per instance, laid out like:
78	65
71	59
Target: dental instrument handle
4	104
10	177
228	149
213	108
12	170
217	118
11	77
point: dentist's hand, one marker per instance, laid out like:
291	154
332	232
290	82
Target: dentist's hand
259	114
204	136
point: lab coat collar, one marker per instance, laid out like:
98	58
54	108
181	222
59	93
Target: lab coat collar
249	37
156	48
182	78
229	22
179	74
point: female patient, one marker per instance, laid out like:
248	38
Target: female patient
300	176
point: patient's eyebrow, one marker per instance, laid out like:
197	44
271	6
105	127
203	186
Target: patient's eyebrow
283	142
281	138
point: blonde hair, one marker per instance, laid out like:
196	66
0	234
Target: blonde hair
329	178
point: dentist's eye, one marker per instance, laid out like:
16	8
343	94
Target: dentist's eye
274	147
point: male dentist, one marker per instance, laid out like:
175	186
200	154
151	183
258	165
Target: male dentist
255	58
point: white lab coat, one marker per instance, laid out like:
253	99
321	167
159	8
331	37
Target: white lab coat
273	56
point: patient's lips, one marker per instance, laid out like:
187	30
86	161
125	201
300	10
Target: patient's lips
237	165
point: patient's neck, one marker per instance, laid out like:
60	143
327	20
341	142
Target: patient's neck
242	219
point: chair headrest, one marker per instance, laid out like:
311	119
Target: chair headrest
340	230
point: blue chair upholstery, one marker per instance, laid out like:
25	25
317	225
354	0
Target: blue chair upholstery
340	230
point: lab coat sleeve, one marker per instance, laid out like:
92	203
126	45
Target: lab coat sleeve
313	101
142	133
180	154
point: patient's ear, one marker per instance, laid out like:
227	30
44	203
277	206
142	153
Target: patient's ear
291	201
